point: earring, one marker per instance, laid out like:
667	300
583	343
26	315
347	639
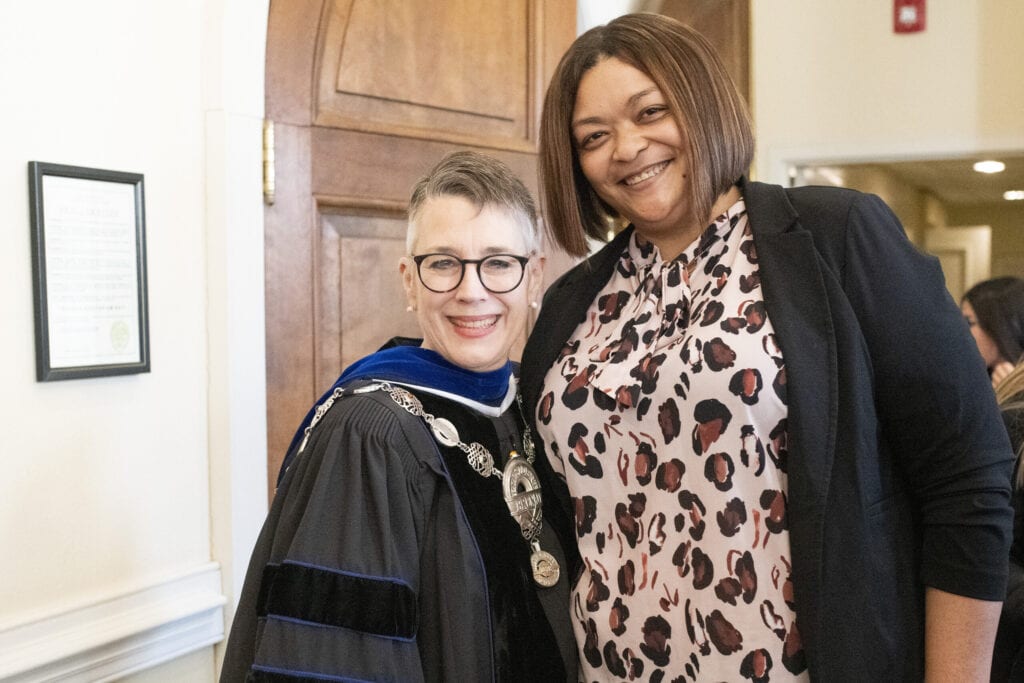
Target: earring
409	309
533	305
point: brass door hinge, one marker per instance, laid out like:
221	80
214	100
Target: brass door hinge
268	161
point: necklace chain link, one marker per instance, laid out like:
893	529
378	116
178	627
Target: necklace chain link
480	459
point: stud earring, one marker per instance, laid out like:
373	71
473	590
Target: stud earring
533	305
409	309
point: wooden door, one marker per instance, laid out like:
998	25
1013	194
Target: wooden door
365	97
726	25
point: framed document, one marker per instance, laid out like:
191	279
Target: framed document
88	272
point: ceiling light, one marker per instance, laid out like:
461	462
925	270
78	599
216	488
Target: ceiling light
989	166
1013	195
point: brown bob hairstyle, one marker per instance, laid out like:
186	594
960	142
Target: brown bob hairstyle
698	91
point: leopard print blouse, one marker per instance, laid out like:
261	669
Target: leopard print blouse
666	413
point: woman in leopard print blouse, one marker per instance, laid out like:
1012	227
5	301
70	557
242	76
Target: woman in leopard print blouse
770	478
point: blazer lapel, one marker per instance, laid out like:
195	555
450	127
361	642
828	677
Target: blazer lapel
796	298
572	292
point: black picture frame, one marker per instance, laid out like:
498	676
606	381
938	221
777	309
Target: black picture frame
88	272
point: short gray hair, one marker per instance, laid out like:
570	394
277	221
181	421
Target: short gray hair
484	181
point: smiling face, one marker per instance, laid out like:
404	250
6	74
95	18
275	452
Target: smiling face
470	326
632	151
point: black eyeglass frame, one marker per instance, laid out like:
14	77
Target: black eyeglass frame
523	260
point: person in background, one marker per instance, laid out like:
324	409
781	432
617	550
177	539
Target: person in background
779	443
410	537
994	309
1008	655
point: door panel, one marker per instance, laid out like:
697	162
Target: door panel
454	70
350	165
358	253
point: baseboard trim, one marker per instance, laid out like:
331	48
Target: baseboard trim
111	638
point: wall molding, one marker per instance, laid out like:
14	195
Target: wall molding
112	637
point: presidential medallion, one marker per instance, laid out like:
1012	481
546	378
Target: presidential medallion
519	482
521	489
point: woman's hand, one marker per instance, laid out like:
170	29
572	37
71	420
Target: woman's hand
1000	371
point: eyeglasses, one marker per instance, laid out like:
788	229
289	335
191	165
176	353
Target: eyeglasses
498	273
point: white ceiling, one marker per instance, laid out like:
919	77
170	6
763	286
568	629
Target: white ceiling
953	181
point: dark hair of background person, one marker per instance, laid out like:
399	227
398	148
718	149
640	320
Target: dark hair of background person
999	309
698	91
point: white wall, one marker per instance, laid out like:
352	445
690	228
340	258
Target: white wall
110	548
832	82
104	463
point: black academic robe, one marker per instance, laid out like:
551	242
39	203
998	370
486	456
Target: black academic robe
385	557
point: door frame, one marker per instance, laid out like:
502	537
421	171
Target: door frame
233	81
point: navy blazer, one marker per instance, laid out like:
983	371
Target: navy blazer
898	460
